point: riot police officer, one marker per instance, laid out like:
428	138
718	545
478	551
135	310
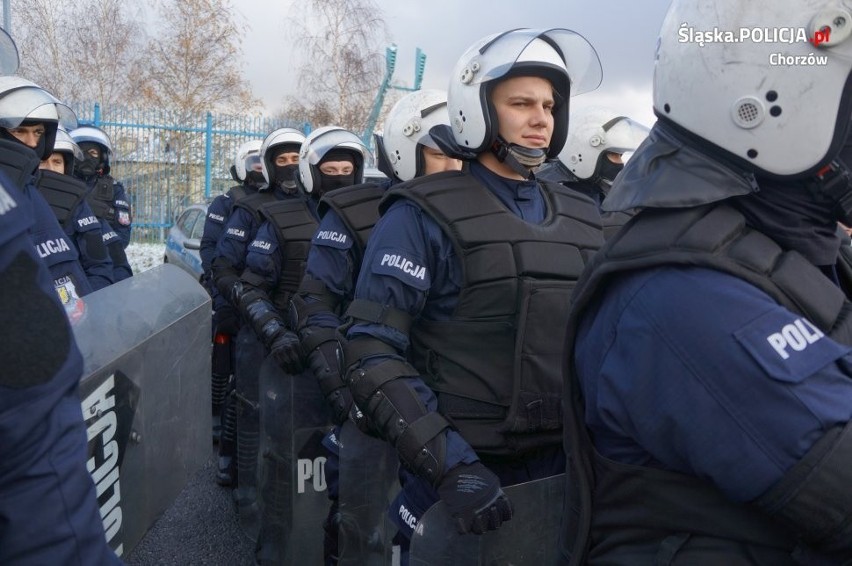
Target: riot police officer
329	158
107	196
47	497
225	317
405	151
280	145
67	198
447	325
48	504
597	140
29	118
593	156
710	389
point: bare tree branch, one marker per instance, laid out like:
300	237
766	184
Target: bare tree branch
345	63
80	51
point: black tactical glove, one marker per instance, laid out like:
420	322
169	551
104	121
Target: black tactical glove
286	351
473	496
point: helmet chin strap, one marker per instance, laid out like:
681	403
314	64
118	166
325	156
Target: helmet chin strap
522	160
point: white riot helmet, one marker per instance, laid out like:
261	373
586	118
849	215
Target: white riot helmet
320	143
562	56
66	146
22	101
593	132
246	152
406	129
92	134
774	94
277	138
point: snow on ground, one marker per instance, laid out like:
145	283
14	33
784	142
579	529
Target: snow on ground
145	256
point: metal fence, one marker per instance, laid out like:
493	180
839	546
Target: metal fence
166	160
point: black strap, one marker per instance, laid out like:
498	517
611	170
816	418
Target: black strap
319	291
370	311
415	436
365	382
317	336
253	279
356	350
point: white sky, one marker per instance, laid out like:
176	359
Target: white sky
624	33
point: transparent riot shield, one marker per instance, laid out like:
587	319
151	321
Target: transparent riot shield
293	495
146	348
249	355
368	484
531	537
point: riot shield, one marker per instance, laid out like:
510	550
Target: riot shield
531	537
368	484
293	492
249	356
146	348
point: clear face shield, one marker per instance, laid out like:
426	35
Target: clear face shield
64	144
319	146
497	57
252	162
9	60
623	135
32	103
93	135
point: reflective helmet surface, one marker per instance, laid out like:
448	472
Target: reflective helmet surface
319	143
773	94
93	134
595	130
243	151
562	56
65	144
22	100
407	127
279	137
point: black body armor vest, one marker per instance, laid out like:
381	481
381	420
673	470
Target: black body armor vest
496	366
295	226
239	191
102	199
659	505
62	193
254	202
358	208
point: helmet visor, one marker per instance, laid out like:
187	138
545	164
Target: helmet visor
321	145
33	103
9	60
499	55
623	135
252	162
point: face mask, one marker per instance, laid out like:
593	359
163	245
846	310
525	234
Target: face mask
285	175
255	178
609	170
331	182
89	165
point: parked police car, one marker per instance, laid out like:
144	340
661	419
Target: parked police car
184	240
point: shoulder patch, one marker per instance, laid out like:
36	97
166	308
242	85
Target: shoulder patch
88	223
216	218
262	246
237	233
404	266
332	238
789	349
